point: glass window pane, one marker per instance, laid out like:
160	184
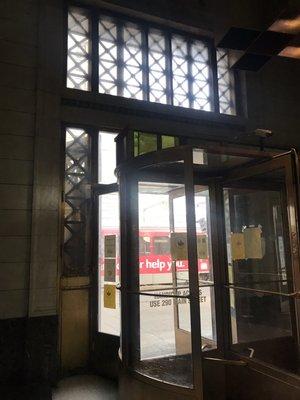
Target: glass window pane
77	205
180	71
205	268
179	238
157	66
259	316
203	230
132	58
144	245
147	142
136	143
161	244
79	48
225	84
108	262
200	70
208	318
106	157
108	56
169	141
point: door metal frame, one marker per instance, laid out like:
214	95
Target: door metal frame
265	163
289	162
129	227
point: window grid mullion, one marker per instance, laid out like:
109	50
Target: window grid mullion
145	63
95	52
120	58
189	75
169	70
213	81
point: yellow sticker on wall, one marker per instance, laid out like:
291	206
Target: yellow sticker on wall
237	246
253	243
109	295
179	246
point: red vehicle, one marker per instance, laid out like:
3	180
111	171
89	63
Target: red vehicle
155	257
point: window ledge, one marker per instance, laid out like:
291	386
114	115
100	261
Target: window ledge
98	101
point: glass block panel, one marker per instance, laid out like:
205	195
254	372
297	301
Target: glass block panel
200	76
157	67
107	56
79	48
225	84
77	196
132	59
125	59
180	71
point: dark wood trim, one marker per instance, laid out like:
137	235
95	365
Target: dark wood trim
219	264
65	42
94	292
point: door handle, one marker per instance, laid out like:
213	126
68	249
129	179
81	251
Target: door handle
237	363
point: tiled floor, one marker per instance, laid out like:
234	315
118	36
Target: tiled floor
85	387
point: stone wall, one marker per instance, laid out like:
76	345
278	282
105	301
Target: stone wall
29	184
18	41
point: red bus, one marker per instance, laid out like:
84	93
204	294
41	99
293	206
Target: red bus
155	258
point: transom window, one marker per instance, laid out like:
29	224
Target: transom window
143	62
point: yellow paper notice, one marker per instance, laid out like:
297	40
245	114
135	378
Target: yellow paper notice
110	246
202	246
237	246
179	246
253	243
109	296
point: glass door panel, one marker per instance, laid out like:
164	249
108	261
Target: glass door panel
259	211
163	301
163	285
108	264
181	307
205	268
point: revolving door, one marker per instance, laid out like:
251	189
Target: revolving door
209	272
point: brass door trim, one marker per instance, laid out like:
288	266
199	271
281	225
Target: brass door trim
223	361
294	294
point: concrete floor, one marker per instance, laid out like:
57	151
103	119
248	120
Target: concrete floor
85	387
